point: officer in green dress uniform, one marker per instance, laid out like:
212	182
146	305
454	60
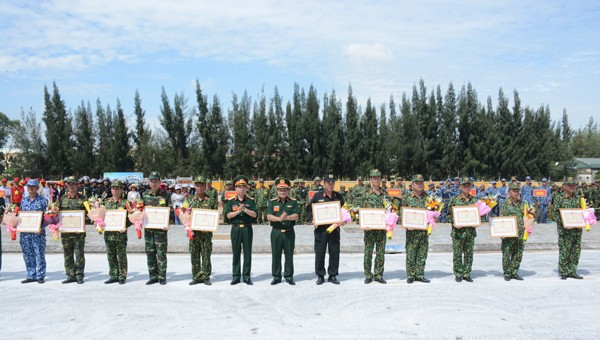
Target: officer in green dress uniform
374	198
283	213
569	239
116	241
463	238
512	247
240	212
156	240
201	244
73	243
417	241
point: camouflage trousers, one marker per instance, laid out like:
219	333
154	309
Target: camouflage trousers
156	253
34	254
261	215
116	252
73	245
200	252
377	239
417	245
569	250
463	242
512	254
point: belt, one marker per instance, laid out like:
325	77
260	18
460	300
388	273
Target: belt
241	225
284	230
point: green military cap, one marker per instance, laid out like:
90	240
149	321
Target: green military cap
297	180
570	180
513	185
117	183
251	182
375	173
317	178
71	179
301	180
240	181
282	183
360	178
392	178
342	187
417	178
154	175
465	180
200	179
261	180
229	183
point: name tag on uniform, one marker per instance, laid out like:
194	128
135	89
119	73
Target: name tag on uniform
235	208
289	206
276	208
321	200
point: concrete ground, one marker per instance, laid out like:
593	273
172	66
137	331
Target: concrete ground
540	307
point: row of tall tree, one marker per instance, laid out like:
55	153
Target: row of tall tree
436	134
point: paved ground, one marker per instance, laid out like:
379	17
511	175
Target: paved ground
544	237
541	307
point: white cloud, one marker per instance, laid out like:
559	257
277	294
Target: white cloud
368	52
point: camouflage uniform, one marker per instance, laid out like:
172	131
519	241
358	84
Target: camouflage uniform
262	194
512	247
417	241
569	240
116	244
463	239
283	237
201	245
156	240
73	243
241	233
374	238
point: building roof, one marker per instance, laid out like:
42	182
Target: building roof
587	163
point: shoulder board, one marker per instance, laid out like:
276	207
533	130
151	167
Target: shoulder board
250	198
232	198
274	199
291	199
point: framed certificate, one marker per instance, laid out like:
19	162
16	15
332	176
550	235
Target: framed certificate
540	193
505	226
326	213
156	217
372	219
414	218
395	193
204	219
572	218
466	216
115	220
30	221
72	221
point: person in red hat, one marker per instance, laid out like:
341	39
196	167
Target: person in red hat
16	193
5	190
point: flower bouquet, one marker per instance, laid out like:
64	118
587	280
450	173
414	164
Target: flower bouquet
528	218
185	215
346	217
588	214
11	220
391	218
52	219
135	210
96	212
486	204
434	209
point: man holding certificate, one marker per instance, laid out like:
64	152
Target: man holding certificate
325	239
116	241
201	244
569	240
156	239
283	212
512	247
417	241
240	211
374	198
73	243
463	238
34	244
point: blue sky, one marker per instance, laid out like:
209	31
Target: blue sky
548	50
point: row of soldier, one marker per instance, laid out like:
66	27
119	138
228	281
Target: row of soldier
283	212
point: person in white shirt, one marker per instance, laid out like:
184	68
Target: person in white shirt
133	194
176	201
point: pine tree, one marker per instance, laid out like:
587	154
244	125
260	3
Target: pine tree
121	159
332	129
352	137
142	138
83	154
27	135
312	134
58	133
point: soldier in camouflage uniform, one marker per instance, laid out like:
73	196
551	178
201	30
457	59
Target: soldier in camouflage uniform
211	191
463	238
240	211
201	244
374	238
417	241
261	198
569	240
228	187
156	240
282	215
512	247
356	192
73	243
116	242
316	186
